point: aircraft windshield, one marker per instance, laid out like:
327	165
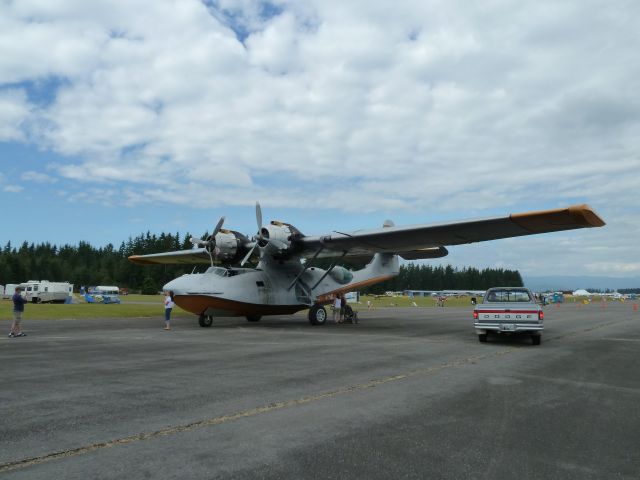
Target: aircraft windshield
228	272
217	270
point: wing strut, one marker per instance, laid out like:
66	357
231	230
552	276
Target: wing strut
329	270
305	268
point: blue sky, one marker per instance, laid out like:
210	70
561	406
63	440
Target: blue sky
125	116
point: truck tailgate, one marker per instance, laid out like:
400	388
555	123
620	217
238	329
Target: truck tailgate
507	312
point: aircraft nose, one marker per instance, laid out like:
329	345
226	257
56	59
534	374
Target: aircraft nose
175	285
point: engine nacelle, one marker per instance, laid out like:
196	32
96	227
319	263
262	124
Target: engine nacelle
279	240
229	245
277	231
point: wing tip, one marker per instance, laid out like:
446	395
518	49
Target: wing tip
586	216
139	260
574	216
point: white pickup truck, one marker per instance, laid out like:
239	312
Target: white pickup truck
509	310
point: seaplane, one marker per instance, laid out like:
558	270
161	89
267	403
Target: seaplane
284	280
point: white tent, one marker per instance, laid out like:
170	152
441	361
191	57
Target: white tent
581	293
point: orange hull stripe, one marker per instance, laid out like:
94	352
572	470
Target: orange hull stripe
199	303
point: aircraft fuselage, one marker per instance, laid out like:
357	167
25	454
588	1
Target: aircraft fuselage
274	288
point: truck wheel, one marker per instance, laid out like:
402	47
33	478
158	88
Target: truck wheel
205	320
254	318
482	337
317	315
536	339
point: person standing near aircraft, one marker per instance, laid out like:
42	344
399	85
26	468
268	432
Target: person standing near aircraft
168	306
18	309
343	307
337	303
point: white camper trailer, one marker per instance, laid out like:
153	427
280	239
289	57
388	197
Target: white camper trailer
43	291
9	290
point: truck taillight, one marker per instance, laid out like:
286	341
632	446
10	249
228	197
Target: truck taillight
540	315
475	315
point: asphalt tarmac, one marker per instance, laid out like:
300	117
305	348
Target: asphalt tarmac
406	393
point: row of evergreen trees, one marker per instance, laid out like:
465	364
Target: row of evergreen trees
427	277
86	265
625	291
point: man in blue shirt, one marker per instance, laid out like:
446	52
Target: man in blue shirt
18	309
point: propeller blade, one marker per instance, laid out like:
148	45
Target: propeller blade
196	242
248	255
280	245
258	215
217	227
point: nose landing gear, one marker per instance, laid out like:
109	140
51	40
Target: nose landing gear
205	320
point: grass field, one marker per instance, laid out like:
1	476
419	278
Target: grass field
151	306
148	306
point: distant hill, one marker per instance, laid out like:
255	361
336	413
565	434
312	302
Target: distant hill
574	282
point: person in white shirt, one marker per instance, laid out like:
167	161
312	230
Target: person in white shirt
337	303
168	306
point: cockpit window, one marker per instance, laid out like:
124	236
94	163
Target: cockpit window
217	270
228	272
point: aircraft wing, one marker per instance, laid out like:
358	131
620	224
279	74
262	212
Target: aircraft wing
194	256
426	241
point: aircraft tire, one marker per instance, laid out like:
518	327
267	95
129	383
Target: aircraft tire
205	320
317	315
254	318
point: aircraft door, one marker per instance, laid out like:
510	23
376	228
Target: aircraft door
265	295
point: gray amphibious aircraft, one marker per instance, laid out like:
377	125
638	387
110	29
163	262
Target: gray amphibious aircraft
284	283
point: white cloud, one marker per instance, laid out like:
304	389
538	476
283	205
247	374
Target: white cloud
353	106
14	114
12	188
37	177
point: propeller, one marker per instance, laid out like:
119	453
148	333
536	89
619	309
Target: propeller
257	238
259	216
210	243
216	230
248	255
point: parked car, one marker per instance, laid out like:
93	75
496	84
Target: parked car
509	310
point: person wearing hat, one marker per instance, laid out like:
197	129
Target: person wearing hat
18	309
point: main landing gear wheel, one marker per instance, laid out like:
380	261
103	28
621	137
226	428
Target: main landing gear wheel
205	320
317	315
254	318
